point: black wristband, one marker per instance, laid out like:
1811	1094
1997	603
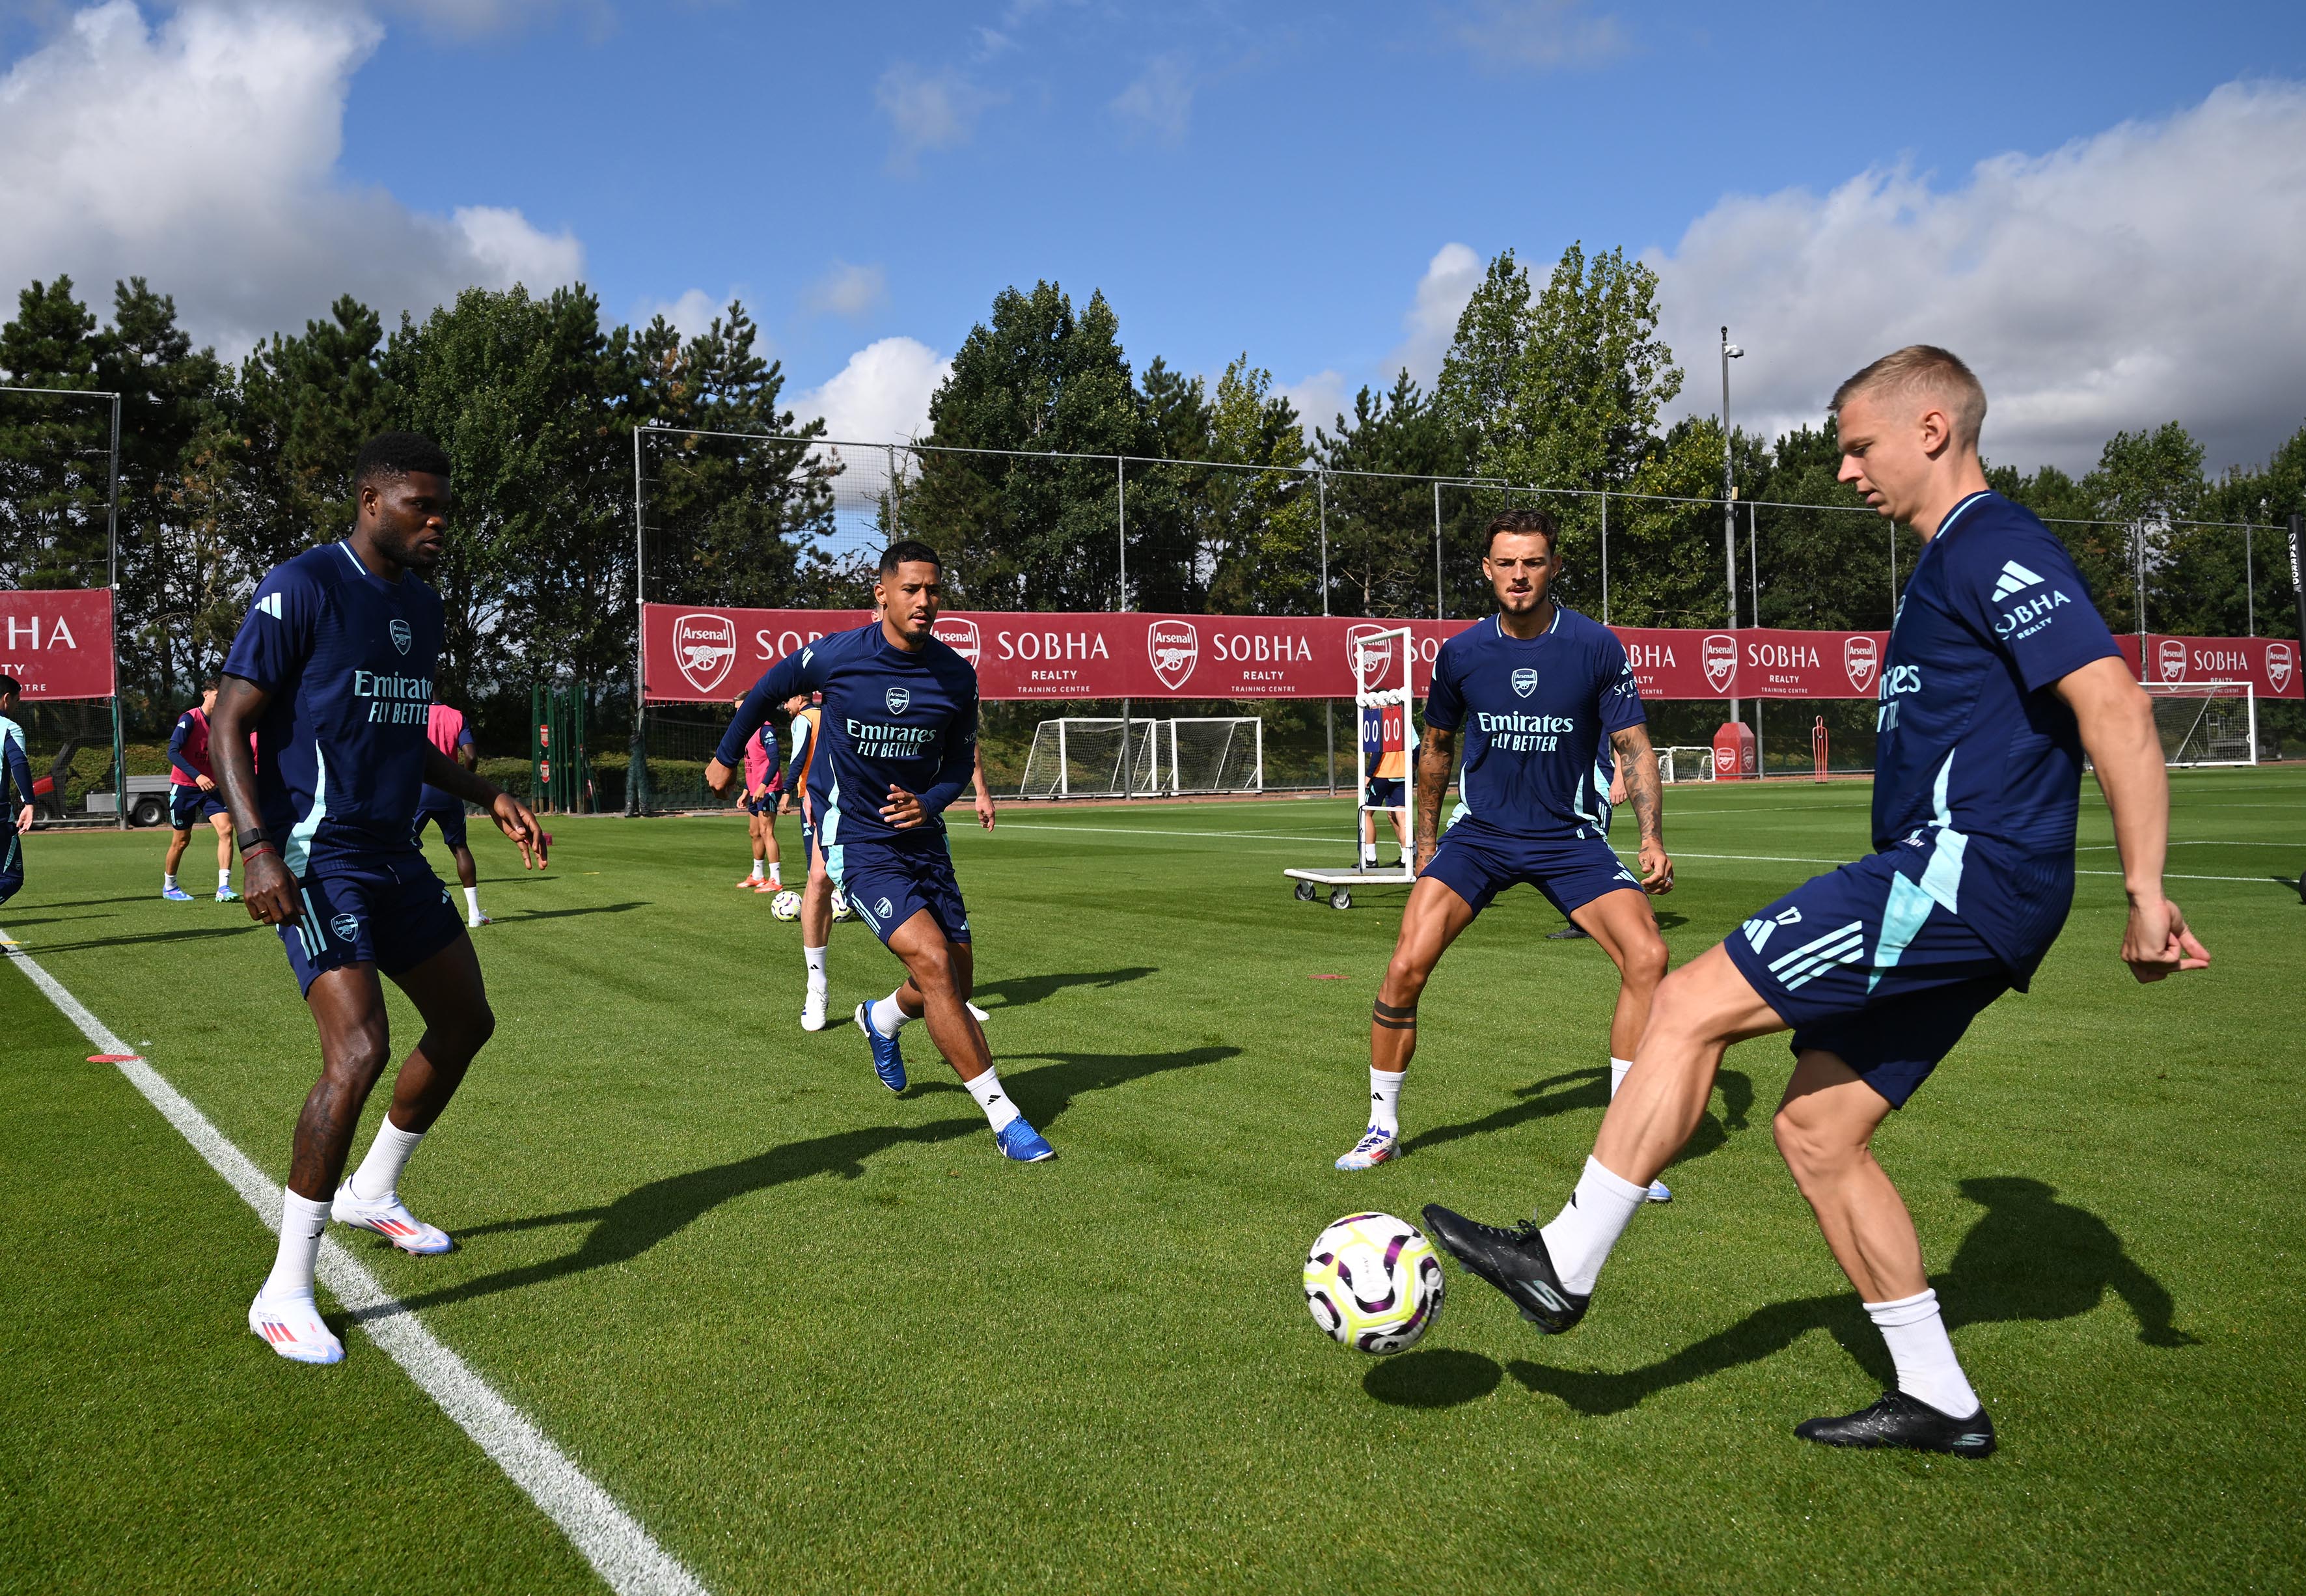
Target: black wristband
251	837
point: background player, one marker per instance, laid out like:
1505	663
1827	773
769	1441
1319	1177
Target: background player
193	796
1385	748
763	780
445	729
1535	687
16	814
2000	676
900	720
817	890
333	670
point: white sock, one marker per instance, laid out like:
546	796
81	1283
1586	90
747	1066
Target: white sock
1618	1068
1385	1099
887	1018
223	878
168	881
776	875
301	1221
473	903
815	959
1926	1367
1369	853
1590	1223
986	1089
378	1175
756	869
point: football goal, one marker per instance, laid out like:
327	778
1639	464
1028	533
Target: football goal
1078	756
2206	722
1685	763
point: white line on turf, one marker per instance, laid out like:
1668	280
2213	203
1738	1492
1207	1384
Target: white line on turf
623	1553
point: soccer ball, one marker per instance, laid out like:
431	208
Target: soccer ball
786	905
1373	1283
841	913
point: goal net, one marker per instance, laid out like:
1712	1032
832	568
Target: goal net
1083	758
2212	722
1685	763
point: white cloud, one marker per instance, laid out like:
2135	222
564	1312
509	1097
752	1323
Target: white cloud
1159	105
2149	272
1318	399
690	314
1502	34
201	154
1429	326
881	395
929	110
848	290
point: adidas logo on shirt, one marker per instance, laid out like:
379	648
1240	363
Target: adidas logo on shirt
270	604
2015	578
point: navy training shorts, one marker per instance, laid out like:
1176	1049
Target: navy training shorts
446	812
1383	792
1865	964
188	806
1570	871
889	883
394	917
11	860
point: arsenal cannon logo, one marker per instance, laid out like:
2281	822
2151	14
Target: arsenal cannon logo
1719	655
1861	658
2169	654
1175	648
706	645
961	636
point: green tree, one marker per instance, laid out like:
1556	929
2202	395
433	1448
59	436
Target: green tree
2144	481
1262	537
1022	533
1381	517
55	452
307	402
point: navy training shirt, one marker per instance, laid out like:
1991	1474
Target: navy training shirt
1533	712
348	658
891	718
1978	761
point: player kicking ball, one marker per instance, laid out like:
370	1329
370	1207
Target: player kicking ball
899	718
1536	689
333	671
2000	678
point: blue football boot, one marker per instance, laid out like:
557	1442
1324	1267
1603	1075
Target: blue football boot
1020	1141
888	1064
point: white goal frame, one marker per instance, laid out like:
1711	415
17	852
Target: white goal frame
1371	692
1146	748
2196	743
1684	762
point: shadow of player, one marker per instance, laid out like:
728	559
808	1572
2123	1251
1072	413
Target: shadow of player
637	1221
1589	1088
1021	990
2028	1256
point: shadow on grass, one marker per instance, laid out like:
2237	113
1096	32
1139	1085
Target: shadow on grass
522	917
637	1221
188	934
1021	990
1589	1088
2028	1257
1440	1379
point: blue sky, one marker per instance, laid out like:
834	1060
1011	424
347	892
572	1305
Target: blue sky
1282	183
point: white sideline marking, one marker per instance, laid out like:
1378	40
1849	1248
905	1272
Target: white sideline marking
623	1553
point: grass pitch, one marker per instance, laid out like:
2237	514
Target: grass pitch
816	1337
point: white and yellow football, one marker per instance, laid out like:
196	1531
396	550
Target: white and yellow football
786	905
1373	1283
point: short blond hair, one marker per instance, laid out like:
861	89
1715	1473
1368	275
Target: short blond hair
1925	371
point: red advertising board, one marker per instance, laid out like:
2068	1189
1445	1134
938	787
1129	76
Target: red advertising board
696	655
57	641
2270	664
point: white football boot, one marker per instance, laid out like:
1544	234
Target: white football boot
812	1010
294	1328
1376	1146
391	1219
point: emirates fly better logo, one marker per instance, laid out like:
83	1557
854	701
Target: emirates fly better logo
1719	655
1174	648
706	645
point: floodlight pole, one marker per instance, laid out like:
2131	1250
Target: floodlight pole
1437	549
637	757
1605	559
1121	507
1329	708
1729	352
2298	585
